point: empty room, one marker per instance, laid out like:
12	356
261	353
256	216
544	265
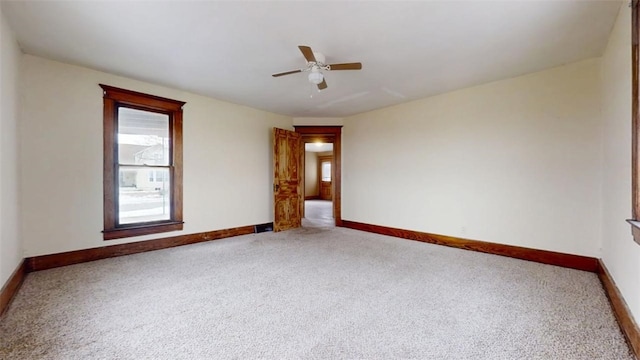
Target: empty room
319	180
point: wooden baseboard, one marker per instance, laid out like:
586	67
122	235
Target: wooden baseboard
44	262
542	256
313	197
625	319
11	287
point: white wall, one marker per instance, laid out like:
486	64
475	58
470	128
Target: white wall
228	158
310	173
514	162
620	253
10	246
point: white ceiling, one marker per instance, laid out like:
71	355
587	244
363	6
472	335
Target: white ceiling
228	50
318	147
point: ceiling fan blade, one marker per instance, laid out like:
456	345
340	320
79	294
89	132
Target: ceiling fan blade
322	85
347	66
308	53
286	73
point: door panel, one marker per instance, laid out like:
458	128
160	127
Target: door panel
325	190
287	180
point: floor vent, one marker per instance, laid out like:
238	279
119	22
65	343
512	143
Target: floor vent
264	227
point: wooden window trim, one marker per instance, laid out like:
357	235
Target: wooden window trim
113	98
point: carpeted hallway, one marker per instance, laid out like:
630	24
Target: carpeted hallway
313	293
318	213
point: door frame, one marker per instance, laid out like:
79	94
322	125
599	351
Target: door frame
326	134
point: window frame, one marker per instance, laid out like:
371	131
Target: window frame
113	99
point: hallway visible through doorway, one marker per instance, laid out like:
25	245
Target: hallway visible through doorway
318	185
318	213
321	157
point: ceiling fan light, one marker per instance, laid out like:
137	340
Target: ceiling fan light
315	77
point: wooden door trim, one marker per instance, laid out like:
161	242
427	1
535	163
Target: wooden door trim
328	134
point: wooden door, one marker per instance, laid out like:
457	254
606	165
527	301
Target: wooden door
324	172
325	190
287	180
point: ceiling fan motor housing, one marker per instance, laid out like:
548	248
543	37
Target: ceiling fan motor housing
320	59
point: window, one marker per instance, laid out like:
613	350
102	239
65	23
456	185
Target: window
142	164
635	109
326	171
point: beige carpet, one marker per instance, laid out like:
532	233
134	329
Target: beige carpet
313	293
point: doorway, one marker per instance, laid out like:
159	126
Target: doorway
318	198
321	205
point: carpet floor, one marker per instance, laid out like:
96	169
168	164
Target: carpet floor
318	213
312	293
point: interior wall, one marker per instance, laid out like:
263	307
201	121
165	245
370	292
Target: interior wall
620	253
228	158
516	162
310	174
10	246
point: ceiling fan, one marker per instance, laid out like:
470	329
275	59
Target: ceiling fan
315	66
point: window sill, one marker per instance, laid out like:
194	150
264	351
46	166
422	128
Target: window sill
138	230
635	229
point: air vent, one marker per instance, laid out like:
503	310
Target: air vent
264	227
